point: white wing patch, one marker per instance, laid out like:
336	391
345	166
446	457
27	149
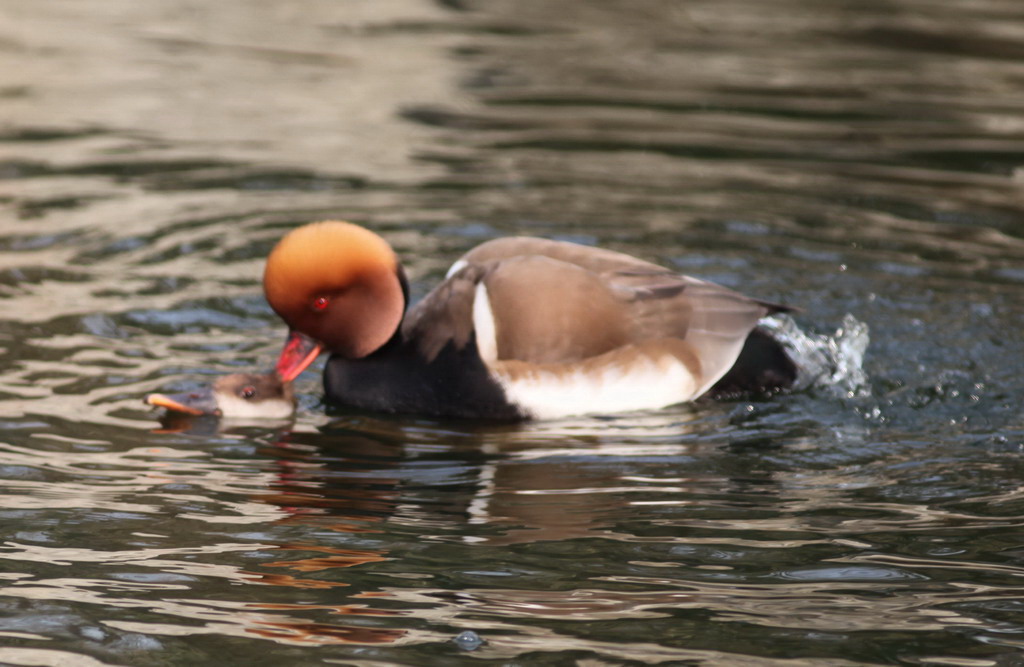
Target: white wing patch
455	268
647	382
483	324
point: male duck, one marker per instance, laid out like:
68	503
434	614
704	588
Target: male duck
520	328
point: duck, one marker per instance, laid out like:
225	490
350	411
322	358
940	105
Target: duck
233	396
520	328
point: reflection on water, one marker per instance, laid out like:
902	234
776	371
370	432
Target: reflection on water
382	522
860	161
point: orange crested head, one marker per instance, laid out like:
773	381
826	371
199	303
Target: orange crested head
338	284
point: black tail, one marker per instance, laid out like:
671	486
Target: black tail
762	367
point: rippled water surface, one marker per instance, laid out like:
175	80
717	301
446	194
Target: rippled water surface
848	158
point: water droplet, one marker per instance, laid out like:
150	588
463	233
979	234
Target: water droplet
467	640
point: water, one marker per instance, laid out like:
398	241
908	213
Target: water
858	160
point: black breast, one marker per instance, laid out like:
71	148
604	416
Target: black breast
398	379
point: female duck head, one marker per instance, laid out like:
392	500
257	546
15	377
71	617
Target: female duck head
239	395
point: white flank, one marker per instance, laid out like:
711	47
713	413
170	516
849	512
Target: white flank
483	323
234	407
647	383
455	268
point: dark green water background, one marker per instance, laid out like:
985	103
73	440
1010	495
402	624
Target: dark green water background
861	158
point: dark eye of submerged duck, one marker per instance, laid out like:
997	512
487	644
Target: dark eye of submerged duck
248	392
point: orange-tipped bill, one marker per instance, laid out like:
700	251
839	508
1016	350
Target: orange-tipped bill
201	402
299	352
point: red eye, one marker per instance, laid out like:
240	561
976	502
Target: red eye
320	303
249	392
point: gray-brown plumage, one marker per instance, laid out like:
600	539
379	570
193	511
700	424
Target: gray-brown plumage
557	303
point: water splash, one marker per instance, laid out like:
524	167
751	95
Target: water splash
835	362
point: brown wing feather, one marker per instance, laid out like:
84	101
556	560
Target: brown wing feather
444	315
550	311
598	260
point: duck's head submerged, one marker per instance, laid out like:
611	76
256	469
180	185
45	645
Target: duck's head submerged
338	287
236	396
